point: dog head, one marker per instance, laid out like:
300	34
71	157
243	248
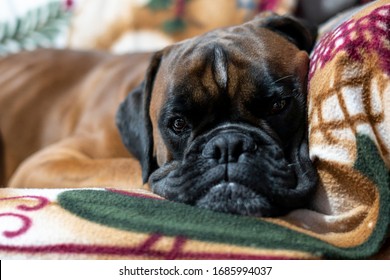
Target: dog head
220	120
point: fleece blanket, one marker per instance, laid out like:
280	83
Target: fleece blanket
134	25
128	25
349	124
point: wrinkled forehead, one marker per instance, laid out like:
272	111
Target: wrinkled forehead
222	61
244	45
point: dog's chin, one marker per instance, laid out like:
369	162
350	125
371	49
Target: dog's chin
233	198
248	190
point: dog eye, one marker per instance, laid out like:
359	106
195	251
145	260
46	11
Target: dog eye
278	106
179	125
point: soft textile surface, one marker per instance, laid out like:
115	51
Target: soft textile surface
128	25
349	91
104	224
349	114
135	25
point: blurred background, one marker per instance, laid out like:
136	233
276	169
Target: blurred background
122	26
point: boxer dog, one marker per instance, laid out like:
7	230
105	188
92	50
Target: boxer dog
219	120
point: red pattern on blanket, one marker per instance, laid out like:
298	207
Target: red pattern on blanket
353	36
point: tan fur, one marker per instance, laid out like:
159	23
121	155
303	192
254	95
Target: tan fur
58	113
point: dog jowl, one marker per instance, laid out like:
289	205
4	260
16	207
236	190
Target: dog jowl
220	120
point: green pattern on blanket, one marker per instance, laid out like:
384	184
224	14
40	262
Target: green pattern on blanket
175	219
370	163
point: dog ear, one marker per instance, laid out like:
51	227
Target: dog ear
134	123
298	31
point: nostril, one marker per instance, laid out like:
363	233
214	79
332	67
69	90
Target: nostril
211	151
221	146
216	148
236	149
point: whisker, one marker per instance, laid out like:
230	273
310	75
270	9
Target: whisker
282	78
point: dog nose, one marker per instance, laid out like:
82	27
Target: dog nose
228	147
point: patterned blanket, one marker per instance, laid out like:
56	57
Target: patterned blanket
349	115
128	25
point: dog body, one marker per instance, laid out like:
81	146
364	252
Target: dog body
57	120
218	122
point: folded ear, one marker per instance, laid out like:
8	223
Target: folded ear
134	122
298	31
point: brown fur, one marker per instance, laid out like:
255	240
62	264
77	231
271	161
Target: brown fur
58	110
